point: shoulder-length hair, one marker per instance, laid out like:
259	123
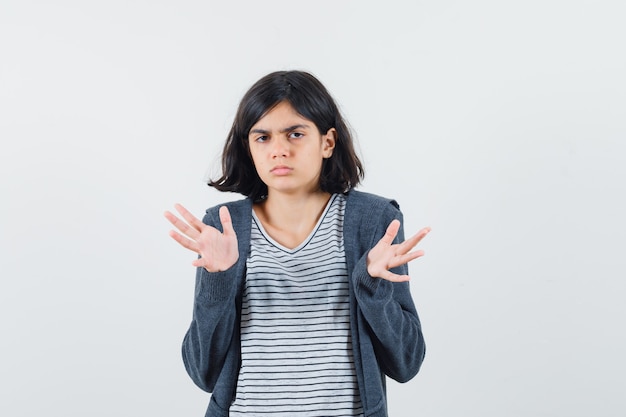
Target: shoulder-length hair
341	172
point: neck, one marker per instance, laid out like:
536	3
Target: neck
290	218
295	208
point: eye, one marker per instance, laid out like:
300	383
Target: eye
261	139
296	135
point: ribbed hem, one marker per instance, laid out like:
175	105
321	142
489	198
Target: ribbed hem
217	286
364	280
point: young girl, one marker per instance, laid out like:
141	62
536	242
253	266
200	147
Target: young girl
302	305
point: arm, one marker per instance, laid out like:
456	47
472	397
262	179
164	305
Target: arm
206	343
213	324
383	294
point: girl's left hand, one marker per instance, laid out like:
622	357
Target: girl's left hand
386	255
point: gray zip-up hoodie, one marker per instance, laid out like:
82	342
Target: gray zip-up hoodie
385	328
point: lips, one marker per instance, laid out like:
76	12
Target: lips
281	170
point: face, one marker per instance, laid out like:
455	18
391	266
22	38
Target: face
288	150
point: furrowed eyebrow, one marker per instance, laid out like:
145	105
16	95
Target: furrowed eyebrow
285	130
294	127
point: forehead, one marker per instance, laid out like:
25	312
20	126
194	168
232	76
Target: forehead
280	116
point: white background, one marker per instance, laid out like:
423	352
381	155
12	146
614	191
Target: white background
500	124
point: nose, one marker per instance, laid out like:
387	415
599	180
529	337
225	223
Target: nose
280	149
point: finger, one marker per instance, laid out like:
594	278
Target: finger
202	263
227	224
169	216
198	263
390	276
410	243
184	242
405	259
422	233
190	218
181	225
392	232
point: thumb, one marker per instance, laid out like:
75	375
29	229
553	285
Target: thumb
227	223
392	232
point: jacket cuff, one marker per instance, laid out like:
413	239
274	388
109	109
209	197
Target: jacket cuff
216	286
365	282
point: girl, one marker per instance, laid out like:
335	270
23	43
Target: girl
302	305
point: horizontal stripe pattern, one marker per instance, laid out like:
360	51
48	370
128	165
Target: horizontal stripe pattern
295	326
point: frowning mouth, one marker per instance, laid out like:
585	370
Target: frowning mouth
281	170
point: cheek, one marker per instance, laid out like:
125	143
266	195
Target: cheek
254	155
257	162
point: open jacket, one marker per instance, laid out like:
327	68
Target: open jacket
385	328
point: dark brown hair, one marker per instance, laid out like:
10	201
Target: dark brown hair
341	172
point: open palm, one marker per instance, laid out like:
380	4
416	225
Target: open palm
218	251
387	255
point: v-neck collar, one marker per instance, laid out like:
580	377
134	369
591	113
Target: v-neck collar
266	235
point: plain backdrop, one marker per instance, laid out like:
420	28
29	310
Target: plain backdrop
500	124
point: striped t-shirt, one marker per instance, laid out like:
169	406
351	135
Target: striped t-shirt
296	348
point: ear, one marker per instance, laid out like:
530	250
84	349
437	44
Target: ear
328	142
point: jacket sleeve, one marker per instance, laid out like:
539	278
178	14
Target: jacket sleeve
213	324
390	312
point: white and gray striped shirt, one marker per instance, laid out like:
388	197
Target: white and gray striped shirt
296	347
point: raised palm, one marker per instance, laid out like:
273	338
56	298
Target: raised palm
387	255
218	251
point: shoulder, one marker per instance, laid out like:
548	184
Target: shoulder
236	206
368	203
366	219
240	213
369	213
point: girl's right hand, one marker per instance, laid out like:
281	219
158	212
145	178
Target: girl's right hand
218	251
